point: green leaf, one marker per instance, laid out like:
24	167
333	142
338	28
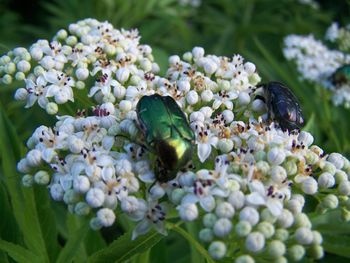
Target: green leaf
337	244
18	253
73	244
192	242
124	248
331	223
22	200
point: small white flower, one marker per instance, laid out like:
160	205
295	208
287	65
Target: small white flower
61	86
103	84
154	215
225	98
260	196
205	140
255	242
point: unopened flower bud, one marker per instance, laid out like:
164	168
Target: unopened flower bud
82	209
276	248
255	242
309	186
217	250
267	229
42	178
296	252
304	236
206	235
95	197
249	214
188	212
276	156
222	227
27	180
56	192
192	97
106	217
243	228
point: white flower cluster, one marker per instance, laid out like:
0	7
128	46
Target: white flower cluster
90	52
317	63
339	35
250	177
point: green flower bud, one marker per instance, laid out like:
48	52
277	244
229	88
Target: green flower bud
266	228
42	178
6	79
330	201
82	209
209	220
245	259
27	180
302	220
70	197
291	167
296	252
281	234
243	228
263	167
267	216
311	158
206	235
316	252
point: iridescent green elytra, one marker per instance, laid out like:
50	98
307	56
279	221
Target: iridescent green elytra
167	134
341	75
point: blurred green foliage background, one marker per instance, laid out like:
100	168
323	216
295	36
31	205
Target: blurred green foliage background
252	28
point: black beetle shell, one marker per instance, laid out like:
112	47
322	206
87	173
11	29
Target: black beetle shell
283	106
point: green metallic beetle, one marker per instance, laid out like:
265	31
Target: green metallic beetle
167	134
341	75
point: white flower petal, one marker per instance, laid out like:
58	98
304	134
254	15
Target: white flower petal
204	150
255	199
